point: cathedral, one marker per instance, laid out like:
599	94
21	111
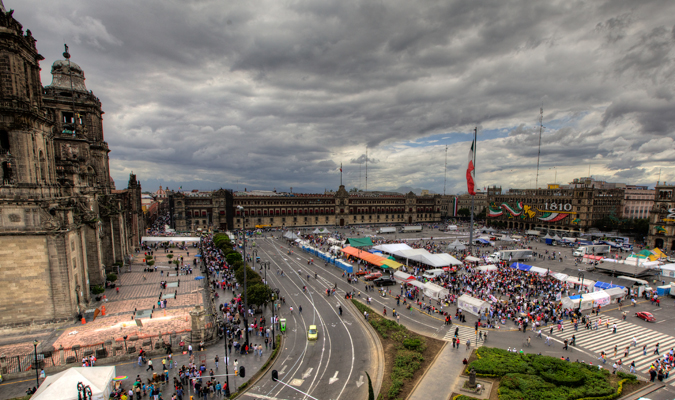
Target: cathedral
63	224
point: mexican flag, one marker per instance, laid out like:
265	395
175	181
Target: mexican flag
470	171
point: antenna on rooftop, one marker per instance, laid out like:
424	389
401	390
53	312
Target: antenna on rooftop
541	128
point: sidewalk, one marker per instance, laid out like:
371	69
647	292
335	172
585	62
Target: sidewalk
441	377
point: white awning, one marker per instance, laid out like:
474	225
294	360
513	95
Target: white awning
392	248
472	259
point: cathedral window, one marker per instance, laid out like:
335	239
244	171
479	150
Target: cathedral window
4	142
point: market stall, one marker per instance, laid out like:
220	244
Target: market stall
435	291
472	305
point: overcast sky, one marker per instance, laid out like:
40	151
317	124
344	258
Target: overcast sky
277	94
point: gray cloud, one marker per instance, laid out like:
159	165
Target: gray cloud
272	94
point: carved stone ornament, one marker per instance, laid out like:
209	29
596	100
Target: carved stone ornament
48	221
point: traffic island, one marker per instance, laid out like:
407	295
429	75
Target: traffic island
407	355
534	377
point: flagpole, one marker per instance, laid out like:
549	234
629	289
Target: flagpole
340	174
475	134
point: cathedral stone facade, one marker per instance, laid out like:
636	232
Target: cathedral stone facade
63	225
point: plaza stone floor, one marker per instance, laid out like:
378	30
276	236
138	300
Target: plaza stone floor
138	290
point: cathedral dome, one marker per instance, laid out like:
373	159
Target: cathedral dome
62	73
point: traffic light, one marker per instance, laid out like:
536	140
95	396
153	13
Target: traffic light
275	375
242	371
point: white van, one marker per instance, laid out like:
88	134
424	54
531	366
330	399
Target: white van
433	273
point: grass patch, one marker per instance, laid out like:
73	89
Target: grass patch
407	354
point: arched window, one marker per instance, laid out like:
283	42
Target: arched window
4	142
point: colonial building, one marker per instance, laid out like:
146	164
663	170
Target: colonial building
480	202
61	226
566	210
223	209
638	201
662	219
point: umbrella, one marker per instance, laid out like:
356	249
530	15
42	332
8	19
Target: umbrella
120	378
198	255
198	278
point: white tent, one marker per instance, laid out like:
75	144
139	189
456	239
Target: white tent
320	230
486	268
668	270
392	248
435	291
587	282
560	276
402	276
506	238
456	245
290	235
547	237
531	232
448	259
472	305
335	241
472	259
451	228
616	293
63	386
540	271
416	283
600	298
556	238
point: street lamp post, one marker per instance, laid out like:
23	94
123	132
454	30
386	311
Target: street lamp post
227	361
37	372
580	275
265	265
240	208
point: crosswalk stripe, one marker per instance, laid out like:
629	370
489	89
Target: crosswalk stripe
604	339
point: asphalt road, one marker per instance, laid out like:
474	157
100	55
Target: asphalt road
331	367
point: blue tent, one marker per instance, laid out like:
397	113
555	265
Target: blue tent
522	267
605	285
575	297
484	241
374	251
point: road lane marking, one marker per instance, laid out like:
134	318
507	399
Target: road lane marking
333	379
360	382
307	373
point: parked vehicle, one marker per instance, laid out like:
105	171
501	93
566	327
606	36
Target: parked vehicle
372	276
596	249
384	282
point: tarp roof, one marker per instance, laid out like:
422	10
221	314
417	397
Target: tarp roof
391	263
538	270
605	285
402	276
360	242
448	259
290	235
416	283
62	385
487	268
456	245
472	259
520	266
364	255
471	304
392	248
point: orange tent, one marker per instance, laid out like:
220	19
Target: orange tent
364	255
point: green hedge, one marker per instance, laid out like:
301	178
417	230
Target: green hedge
533	377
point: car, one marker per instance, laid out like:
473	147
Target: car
646	316
372	276
361	272
312	333
384	282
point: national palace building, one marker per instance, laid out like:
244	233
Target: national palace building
573	208
224	209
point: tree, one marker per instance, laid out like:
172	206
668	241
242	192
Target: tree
233	257
169	256
482	214
259	294
464	212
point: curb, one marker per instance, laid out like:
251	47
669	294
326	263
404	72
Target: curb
261	373
640	393
426	372
377	382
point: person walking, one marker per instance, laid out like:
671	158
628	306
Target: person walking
216	361
656	349
150	367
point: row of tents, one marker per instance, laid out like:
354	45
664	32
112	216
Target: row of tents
422	256
429	289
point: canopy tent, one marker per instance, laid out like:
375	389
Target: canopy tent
472	305
456	245
487	230
403	277
447	258
335	249
486	268
506	238
472	259
532	233
520	266
540	271
556	238
416	283
588	283
364	255
373	251
290	235
560	276
604	285
320	230
62	386
600	298
482	241
592	257
392	248
451	227
391	263
175	239
335	241
547	237
435	291
616	293
668	270
360	242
